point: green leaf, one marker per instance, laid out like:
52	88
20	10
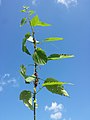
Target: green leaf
55	86
27	35
26	97
28	79
36	22
59	56
40	57
53	39
31	12
24	48
24	10
23	22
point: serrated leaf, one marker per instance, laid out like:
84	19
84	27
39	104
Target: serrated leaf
55	86
51	39
59	56
26	97
40	57
23	22
36	22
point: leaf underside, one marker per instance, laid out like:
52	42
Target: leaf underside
55	86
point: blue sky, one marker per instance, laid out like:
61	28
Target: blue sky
70	19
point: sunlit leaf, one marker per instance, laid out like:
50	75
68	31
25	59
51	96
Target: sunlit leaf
55	86
26	97
23	22
59	56
40	57
29	79
51	39
36	22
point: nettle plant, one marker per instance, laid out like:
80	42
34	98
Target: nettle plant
39	57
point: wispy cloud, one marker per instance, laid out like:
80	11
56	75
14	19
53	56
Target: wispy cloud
55	109
68	3
5	80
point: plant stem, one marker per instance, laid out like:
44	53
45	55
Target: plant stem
35	73
34	103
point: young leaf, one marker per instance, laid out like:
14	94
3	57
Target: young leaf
55	86
36	22
40	57
51	39
26	97
31	12
24	10
27	35
59	56
23	22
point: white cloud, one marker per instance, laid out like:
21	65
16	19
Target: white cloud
56	116
55	109
5	80
67	3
